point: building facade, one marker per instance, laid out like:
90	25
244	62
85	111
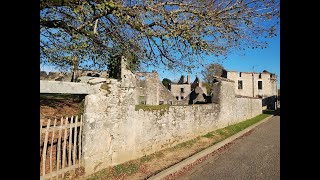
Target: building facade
254	84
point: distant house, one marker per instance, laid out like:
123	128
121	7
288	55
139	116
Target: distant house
188	92
252	84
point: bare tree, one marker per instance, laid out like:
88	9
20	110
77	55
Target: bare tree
173	33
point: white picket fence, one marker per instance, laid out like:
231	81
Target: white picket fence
60	147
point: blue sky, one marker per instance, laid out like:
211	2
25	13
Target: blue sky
255	60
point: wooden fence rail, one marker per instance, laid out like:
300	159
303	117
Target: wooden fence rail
60	147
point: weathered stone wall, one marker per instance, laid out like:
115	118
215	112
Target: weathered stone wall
150	131
147	86
67	87
247	108
105	130
62	76
114	132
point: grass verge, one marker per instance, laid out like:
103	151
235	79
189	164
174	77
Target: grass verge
149	165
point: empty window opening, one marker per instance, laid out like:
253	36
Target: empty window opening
259	84
182	90
177	97
142	100
239	74
181	97
240	84
260	76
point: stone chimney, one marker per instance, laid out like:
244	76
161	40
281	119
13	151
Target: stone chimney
188	79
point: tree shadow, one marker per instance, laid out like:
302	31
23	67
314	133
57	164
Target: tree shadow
272	112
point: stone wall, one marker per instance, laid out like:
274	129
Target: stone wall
149	131
66	77
114	132
147	86
67	87
247	108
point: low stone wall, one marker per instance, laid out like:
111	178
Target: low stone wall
148	131
114	132
91	87
247	108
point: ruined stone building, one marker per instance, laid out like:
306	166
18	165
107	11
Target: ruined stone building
183	88
151	91
252	84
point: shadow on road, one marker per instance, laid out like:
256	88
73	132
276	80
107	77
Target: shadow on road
272	112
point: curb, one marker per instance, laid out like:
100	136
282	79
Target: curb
203	153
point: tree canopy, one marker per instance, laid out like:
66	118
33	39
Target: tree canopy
211	70
167	83
172	33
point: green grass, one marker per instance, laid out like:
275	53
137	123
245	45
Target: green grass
208	135
152	107
235	128
186	144
145	158
126	169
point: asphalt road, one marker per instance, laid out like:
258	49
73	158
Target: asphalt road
256	156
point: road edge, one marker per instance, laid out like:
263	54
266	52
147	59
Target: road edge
203	153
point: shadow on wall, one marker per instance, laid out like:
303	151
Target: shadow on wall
269	102
198	98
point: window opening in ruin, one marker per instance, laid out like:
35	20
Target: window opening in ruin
182	90
177	97
142	100
239	84
259	84
260	76
181	97
239	74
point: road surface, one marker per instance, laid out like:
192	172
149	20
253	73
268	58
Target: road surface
256	156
